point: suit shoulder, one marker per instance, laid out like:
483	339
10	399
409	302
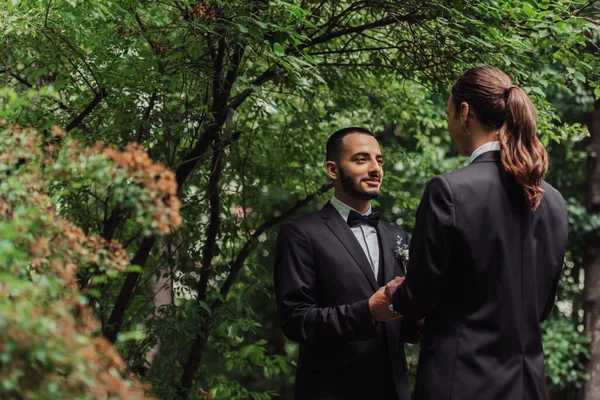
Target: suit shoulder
552	192
304	222
553	198
307	219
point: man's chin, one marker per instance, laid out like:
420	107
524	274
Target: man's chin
369	195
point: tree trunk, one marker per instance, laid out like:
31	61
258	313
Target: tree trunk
162	289
591	290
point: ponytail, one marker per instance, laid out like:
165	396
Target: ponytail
522	153
501	107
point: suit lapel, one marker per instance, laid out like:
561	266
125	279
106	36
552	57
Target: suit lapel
387	252
341	230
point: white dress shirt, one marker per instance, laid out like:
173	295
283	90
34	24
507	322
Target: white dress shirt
365	234
489	146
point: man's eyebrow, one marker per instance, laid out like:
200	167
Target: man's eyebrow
365	154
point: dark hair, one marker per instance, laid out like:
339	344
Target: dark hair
334	143
499	105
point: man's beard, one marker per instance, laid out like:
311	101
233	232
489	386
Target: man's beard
353	190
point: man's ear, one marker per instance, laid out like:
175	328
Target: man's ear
464	112
332	170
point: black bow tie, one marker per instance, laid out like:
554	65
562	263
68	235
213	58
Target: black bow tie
355	218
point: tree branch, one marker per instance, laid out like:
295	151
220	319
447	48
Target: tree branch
193	361
211	133
361	28
70	61
100	94
74	50
580	10
197	349
266	76
143	128
352	50
238	264
115	321
47	12
271	73
6	63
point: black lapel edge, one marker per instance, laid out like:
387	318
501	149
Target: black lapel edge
342	231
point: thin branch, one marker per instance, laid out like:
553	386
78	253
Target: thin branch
6	63
578	11
114	324
87	82
143	128
360	28
20	79
352	50
193	361
211	132
592	20
74	50
197	348
47	12
362	65
266	76
100	94
271	73
214	225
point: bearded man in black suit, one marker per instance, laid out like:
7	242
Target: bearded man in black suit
330	270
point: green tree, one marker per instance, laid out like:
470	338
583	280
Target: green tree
238	97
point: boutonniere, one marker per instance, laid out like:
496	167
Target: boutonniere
401	252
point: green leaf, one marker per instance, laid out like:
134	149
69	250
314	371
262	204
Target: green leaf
278	49
538	91
528	9
579	76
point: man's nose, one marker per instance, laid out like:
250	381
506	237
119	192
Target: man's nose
375	167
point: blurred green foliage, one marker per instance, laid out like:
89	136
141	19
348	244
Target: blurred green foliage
238	98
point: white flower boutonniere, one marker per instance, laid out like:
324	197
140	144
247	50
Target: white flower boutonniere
401	252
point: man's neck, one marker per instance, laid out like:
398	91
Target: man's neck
480	141
362	206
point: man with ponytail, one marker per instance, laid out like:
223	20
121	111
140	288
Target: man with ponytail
487	251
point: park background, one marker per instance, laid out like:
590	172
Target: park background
151	150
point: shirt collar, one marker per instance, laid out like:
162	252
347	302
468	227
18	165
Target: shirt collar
489	146
345	209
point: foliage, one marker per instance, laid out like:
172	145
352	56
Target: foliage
565	351
238	98
49	343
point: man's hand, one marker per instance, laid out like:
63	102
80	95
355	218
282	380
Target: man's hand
392	285
379	307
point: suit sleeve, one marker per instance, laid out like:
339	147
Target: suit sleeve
554	288
551	297
429	252
296	283
410	331
409	326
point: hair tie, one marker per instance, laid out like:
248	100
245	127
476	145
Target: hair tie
507	92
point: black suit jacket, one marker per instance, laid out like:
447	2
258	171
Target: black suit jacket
483	270
323	281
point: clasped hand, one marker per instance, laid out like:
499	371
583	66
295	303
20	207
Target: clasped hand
380	301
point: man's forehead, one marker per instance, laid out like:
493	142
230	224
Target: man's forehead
358	141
